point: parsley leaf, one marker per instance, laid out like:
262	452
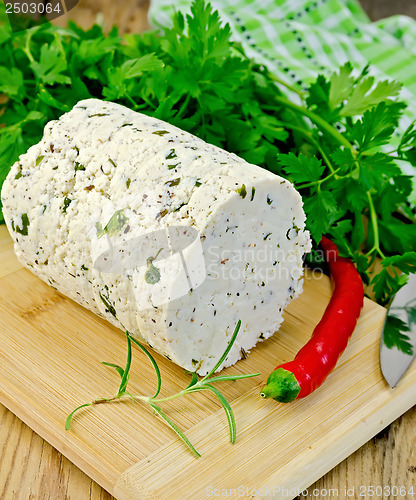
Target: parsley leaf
11	81
364	96
341	85
343	159
407	147
405	263
320	210
394	335
301	168
375	128
318	94
51	65
385	284
376	168
132	68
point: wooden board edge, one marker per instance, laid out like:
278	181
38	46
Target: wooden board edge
85	460
342	449
106	478
129	486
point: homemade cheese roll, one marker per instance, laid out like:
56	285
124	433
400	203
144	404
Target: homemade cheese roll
162	234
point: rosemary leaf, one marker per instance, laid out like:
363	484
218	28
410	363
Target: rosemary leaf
120	370
175	428
222	378
69	418
227	350
227	408
131	396
152	360
193	381
125	377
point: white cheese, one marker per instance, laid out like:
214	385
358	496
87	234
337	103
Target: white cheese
157	231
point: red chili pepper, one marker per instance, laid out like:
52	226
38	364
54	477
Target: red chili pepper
315	361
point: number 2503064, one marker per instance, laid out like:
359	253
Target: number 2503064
32	8
386	491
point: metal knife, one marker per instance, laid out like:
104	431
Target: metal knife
398	340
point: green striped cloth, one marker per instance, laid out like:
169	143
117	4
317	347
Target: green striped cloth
300	38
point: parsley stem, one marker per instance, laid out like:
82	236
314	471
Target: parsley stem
202	114
278	80
16	125
398	158
26	49
147	100
301	130
131	100
389	153
184	106
323	124
374	223
311	139
314	183
58	43
325	157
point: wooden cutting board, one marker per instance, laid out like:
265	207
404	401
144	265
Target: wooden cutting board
50	356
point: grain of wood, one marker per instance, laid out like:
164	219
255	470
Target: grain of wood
31	469
387	460
45	336
9	263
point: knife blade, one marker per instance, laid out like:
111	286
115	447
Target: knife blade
398	340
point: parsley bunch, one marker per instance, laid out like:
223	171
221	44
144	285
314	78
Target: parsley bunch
352	188
330	141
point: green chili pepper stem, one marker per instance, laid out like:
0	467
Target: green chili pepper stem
281	386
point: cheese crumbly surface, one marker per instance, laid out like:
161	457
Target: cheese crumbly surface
157	231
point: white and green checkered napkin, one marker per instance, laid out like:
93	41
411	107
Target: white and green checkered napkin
300	38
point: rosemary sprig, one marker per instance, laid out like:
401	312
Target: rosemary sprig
195	385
